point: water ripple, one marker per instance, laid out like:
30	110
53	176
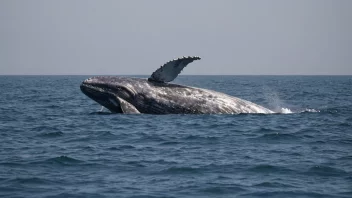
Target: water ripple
57	144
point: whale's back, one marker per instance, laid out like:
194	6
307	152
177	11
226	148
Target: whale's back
163	98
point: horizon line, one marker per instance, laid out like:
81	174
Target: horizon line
178	75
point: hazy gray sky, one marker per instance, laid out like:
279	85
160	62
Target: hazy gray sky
137	36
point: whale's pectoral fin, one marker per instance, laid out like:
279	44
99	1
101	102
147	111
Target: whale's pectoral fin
127	107
170	70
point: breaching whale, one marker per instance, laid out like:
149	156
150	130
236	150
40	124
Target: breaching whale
156	95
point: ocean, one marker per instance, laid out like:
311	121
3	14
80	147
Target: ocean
56	142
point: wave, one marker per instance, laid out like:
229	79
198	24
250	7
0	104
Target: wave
150	137
347	193
325	171
122	147
265	129
77	194
147	163
273	185
198	137
285	194
11	164
171	143
51	134
181	170
345	158
265	168
30	180
62	160
101	113
276	136
227	189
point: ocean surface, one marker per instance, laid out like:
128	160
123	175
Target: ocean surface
55	142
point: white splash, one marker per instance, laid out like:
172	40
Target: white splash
279	106
311	111
102	109
286	111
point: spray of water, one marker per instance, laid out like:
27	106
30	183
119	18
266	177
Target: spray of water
278	106
285	111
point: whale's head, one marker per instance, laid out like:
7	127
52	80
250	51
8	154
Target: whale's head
108	91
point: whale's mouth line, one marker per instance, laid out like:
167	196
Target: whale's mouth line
104	96
99	88
109	88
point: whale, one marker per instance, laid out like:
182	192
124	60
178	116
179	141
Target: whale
156	95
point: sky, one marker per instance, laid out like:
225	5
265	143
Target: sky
135	37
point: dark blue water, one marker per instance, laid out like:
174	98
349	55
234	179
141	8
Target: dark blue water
54	142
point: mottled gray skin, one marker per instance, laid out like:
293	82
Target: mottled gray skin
135	95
